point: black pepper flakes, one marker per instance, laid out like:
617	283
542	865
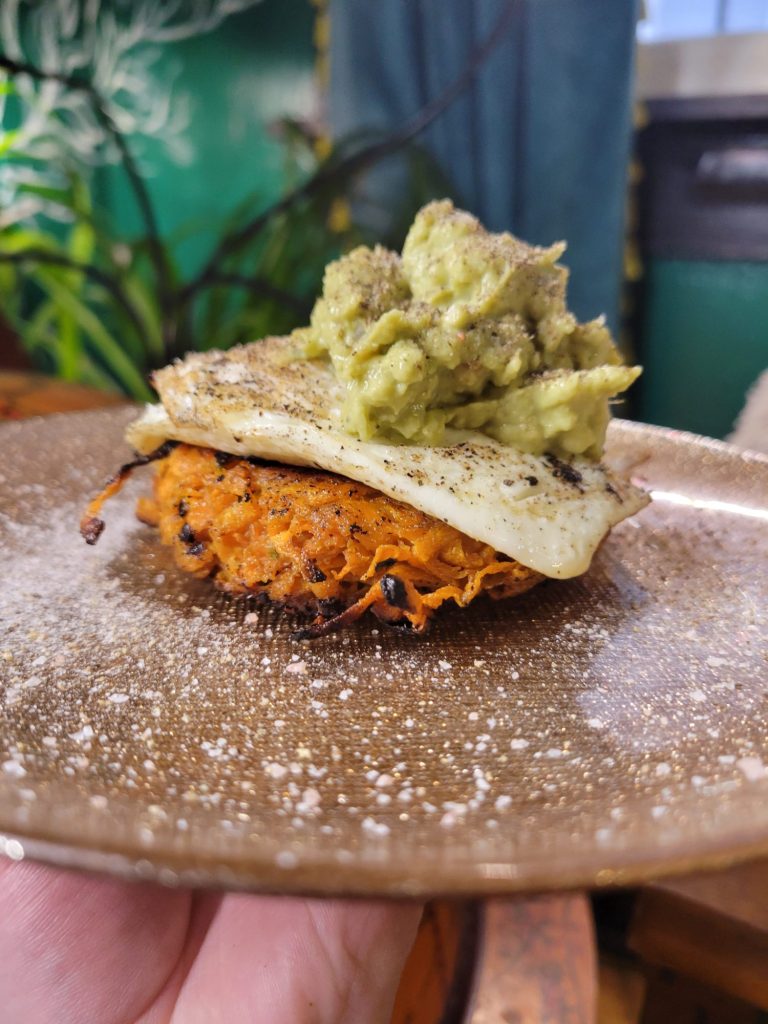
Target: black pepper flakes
564	470
312	572
394	592
612	491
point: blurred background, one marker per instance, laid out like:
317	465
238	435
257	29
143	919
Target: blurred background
175	175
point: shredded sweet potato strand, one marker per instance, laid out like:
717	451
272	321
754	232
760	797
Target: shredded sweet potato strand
317	542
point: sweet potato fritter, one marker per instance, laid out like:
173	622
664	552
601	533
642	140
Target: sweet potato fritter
317	542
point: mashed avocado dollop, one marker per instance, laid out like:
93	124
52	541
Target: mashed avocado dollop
467	330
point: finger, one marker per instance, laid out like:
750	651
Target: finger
273	960
82	950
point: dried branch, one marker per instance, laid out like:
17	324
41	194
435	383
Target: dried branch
258	286
364	158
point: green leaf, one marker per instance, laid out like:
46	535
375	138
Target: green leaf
8	140
82	239
81	195
38	335
61	196
89	373
9	289
107	347
69	346
145	303
15	240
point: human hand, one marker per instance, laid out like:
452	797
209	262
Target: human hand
76	949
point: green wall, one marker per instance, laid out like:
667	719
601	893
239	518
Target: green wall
704	342
256	67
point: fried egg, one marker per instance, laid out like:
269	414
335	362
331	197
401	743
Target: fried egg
257	400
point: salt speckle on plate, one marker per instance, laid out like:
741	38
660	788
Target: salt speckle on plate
286	859
375	828
11	848
82	735
752	768
432	742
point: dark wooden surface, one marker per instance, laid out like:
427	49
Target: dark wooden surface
710	929
537	962
23	394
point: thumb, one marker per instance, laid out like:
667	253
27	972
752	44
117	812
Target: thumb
277	960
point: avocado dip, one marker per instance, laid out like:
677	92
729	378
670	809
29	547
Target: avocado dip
467	330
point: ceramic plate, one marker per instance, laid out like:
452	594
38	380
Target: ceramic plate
593	731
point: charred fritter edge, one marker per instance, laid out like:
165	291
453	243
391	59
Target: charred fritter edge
402	563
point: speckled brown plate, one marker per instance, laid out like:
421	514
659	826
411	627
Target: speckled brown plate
594	731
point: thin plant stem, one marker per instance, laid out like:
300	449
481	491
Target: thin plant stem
155	246
107	282
364	158
173	300
258	286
